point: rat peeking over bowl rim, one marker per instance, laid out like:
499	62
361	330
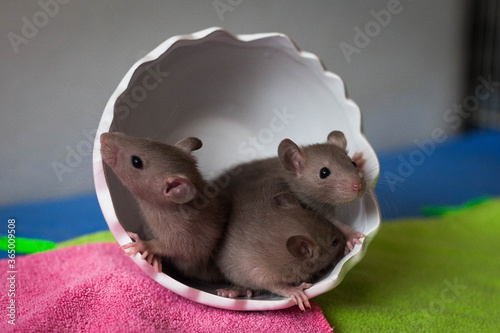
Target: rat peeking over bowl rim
241	95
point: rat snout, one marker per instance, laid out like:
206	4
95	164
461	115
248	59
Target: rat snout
105	137
349	188
357	187
109	152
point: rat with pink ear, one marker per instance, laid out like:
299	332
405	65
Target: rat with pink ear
186	225
321	176
275	245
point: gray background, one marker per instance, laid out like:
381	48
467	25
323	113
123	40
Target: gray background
55	83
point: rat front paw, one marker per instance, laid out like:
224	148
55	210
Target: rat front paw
353	238
297	295
140	246
155	261
234	292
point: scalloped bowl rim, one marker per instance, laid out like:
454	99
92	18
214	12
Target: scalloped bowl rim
203	297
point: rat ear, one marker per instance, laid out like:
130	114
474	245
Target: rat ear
179	189
300	246
291	156
338	139
189	144
285	200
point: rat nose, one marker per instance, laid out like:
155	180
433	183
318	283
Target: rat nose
357	187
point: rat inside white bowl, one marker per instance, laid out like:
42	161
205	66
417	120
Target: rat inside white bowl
241	95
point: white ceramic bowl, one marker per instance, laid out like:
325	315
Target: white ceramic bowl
241	95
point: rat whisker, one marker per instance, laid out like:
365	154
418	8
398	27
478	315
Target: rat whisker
166	122
318	211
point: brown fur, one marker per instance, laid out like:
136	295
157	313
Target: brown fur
305	183
300	168
186	232
273	244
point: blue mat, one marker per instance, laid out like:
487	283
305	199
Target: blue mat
56	220
462	168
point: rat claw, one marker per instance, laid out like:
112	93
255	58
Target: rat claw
306	301
133	249
234	292
297	295
153	260
360	235
305	285
353	239
301	306
157	265
128	245
299	302
221	292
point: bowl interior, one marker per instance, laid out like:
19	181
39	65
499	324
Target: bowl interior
241	97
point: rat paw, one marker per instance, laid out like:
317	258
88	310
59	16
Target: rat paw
234	292
140	246
297	295
353	238
154	260
359	160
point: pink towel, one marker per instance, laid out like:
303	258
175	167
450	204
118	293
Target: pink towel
95	288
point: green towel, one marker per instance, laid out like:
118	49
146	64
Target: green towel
425	275
32	245
101	236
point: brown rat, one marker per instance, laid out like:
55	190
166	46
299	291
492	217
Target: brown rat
274	244
167	184
322	176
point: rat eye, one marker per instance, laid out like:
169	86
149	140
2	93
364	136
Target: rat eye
354	163
136	162
335	243
323	173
